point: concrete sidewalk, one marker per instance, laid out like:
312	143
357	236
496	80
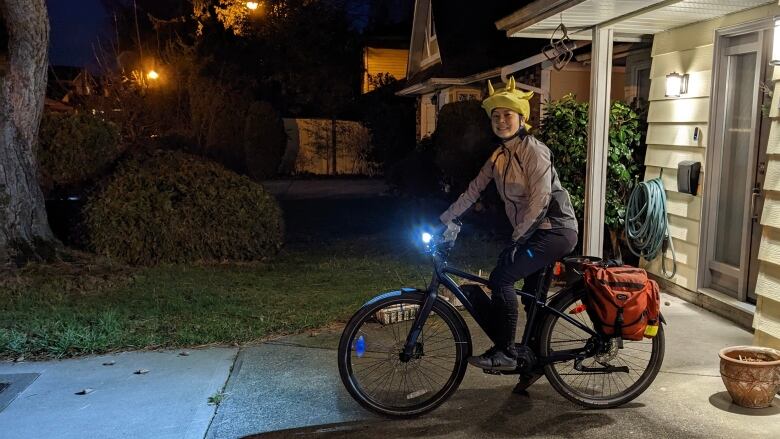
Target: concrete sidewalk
290	388
169	401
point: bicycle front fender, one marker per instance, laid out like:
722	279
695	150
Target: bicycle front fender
400	292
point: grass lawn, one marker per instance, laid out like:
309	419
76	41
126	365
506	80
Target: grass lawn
332	263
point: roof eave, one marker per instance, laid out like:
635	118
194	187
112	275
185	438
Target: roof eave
534	13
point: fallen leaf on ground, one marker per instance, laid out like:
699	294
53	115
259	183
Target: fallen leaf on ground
84	391
184	353
109	363
141	371
19	359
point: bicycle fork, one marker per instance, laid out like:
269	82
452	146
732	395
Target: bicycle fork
419	321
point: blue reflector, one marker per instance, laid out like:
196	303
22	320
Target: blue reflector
360	346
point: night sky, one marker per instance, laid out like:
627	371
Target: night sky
75	26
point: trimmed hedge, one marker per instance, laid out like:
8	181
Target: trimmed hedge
172	207
75	149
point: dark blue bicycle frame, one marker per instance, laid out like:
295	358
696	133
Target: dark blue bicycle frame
441	276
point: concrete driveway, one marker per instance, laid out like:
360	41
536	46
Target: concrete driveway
290	388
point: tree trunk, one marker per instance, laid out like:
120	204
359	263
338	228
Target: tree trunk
24	229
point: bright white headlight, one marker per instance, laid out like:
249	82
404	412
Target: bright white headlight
426	237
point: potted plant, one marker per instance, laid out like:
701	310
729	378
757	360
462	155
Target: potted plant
751	374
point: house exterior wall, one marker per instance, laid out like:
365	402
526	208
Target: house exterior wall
577	82
671	121
767	318
428	113
377	61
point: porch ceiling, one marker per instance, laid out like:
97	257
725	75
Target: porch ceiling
630	19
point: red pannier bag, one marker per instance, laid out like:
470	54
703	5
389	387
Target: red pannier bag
622	301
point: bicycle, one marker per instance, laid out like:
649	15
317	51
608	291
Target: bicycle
403	353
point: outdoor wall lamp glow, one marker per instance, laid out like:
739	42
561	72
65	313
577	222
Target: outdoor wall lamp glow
676	85
252	5
152	75
776	44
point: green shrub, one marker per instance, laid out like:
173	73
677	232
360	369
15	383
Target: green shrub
565	131
75	149
170	206
264	141
462	142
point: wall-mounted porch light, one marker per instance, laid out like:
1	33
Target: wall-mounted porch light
776	44
676	85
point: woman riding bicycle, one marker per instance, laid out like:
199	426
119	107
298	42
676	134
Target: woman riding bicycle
538	207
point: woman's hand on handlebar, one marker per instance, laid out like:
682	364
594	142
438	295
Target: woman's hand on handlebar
451	230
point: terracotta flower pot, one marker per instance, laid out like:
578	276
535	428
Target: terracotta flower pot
753	380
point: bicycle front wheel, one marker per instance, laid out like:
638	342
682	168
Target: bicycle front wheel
597	388
370	362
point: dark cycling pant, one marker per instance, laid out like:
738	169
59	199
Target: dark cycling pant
542	249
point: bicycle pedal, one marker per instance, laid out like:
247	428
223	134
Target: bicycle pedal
491	371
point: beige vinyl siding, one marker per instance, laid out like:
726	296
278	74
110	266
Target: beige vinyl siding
767	318
679	110
676	134
671	125
683	205
668	156
378	61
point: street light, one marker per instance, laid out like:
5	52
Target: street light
152	75
252	5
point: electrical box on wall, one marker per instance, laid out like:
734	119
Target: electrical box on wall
688	176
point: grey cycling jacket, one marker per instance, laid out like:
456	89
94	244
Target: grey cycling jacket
527	182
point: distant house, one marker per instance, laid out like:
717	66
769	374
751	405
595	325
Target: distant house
384	56
455	48
65	83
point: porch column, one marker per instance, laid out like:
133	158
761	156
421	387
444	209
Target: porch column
598	141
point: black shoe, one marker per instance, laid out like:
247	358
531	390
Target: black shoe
525	382
494	359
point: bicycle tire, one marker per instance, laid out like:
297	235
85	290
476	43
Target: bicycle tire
347	353
642	382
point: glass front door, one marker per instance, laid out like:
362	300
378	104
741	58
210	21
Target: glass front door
738	164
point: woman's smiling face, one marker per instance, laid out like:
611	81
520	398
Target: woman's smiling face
505	122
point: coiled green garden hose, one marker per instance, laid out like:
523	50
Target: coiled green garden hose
647	225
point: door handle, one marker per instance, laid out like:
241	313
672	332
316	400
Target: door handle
753	202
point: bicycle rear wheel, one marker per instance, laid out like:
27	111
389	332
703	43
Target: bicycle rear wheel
597	389
369	359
